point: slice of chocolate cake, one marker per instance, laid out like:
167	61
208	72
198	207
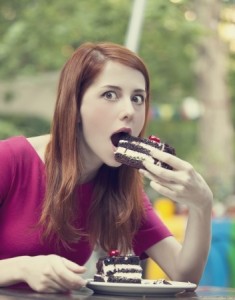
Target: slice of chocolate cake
132	151
120	269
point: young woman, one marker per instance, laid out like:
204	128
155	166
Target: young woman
63	193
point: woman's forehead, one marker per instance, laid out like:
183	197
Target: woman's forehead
115	72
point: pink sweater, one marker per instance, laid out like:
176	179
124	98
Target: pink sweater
22	188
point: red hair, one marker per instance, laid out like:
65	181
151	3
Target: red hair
117	208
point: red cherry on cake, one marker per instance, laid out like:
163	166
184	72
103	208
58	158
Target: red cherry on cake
154	138
113	253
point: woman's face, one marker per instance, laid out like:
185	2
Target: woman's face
115	102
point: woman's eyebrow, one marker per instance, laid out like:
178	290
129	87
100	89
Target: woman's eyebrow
140	91
114	87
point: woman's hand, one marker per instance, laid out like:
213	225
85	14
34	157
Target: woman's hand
52	274
182	184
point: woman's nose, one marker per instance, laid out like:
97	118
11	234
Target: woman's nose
127	111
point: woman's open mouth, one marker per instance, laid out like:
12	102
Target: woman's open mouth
116	137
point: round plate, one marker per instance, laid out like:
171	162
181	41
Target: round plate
147	287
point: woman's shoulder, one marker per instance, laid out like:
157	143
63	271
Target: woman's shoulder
39	144
18	160
18	146
12	145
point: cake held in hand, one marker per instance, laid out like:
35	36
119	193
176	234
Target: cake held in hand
117	268
132	151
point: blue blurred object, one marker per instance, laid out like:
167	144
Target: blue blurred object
217	270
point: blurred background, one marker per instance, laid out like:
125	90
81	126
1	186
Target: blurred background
189	49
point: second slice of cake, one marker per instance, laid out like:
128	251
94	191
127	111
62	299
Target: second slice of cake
120	269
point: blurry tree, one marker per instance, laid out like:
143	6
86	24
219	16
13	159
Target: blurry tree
39	35
168	47
216	129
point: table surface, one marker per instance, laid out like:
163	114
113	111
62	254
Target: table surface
87	294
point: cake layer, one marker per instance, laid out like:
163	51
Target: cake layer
132	151
126	260
116	279
119	269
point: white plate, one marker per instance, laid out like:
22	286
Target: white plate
147	287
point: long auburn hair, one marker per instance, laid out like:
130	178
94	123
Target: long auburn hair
117	203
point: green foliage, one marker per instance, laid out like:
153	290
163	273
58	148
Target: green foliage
37	36
169	50
11	125
181	134
8	129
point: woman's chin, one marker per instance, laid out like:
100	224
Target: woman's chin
113	164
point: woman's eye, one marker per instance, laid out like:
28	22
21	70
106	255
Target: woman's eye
110	95
138	99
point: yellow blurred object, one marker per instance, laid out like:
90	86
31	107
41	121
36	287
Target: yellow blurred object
165	208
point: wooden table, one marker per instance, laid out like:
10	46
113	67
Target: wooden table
217	293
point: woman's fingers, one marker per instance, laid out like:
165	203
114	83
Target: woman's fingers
172	160
163	190
67	273
160	174
73	266
182	184
52	273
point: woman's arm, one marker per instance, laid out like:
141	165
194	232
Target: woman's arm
184	262
185	186
50	273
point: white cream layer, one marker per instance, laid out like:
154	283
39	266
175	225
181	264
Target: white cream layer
116	268
134	154
161	146
146	146
138	155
